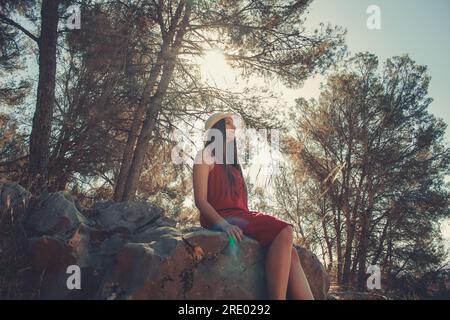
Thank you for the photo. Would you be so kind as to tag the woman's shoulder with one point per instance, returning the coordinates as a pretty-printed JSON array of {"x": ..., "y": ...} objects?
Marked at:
[{"x": 204, "y": 158}]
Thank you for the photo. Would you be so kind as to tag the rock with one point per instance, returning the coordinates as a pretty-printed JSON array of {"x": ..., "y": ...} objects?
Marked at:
[
  {"x": 129, "y": 250},
  {"x": 155, "y": 233},
  {"x": 131, "y": 215},
  {"x": 353, "y": 295},
  {"x": 50, "y": 259},
  {"x": 56, "y": 215},
  {"x": 200, "y": 265},
  {"x": 14, "y": 198},
  {"x": 318, "y": 278}
]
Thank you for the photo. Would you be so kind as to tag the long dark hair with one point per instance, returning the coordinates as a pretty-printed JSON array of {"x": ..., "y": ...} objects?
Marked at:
[{"x": 220, "y": 125}]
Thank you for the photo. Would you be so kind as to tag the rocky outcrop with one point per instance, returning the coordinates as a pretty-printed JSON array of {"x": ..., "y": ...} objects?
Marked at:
[
  {"x": 318, "y": 278},
  {"x": 129, "y": 250},
  {"x": 352, "y": 295}
]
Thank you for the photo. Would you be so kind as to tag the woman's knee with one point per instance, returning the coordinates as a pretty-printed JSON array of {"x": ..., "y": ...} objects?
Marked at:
[{"x": 287, "y": 233}]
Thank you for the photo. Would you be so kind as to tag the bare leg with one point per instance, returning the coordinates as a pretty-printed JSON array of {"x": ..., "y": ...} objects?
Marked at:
[
  {"x": 278, "y": 264},
  {"x": 298, "y": 287}
]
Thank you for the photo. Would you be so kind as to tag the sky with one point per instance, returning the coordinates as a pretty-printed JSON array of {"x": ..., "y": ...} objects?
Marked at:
[{"x": 418, "y": 28}]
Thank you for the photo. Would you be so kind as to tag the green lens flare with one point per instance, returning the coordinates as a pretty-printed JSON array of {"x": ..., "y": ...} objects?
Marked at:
[{"x": 233, "y": 248}]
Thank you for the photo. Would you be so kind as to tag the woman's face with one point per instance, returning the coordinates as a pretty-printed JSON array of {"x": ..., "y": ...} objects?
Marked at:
[{"x": 230, "y": 128}]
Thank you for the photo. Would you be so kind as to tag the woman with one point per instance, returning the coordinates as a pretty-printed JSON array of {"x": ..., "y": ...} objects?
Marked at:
[{"x": 220, "y": 195}]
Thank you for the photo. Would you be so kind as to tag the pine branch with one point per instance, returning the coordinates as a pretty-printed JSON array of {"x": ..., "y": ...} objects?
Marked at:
[{"x": 11, "y": 22}]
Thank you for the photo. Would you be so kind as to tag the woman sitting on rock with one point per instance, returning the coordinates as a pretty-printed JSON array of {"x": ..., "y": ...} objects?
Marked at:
[{"x": 221, "y": 196}]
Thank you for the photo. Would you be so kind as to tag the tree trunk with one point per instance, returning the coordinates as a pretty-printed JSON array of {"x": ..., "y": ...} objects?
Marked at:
[
  {"x": 328, "y": 243},
  {"x": 42, "y": 120},
  {"x": 127, "y": 156},
  {"x": 362, "y": 254},
  {"x": 348, "y": 254},
  {"x": 348, "y": 276},
  {"x": 144, "y": 138},
  {"x": 380, "y": 248},
  {"x": 337, "y": 228},
  {"x": 365, "y": 235},
  {"x": 153, "y": 111},
  {"x": 345, "y": 206}
]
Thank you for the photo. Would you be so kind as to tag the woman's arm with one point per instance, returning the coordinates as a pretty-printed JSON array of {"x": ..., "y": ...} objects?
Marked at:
[{"x": 200, "y": 183}]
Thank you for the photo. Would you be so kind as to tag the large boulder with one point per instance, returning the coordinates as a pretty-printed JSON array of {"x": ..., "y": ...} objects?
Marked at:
[
  {"x": 130, "y": 215},
  {"x": 57, "y": 214},
  {"x": 129, "y": 250},
  {"x": 198, "y": 265},
  {"x": 318, "y": 279}
]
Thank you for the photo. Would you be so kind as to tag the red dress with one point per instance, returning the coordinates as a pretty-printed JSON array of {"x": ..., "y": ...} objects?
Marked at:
[{"x": 234, "y": 208}]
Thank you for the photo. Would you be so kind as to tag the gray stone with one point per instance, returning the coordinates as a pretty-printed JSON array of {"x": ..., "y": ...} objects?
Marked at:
[
  {"x": 14, "y": 199},
  {"x": 130, "y": 215},
  {"x": 57, "y": 215},
  {"x": 129, "y": 250}
]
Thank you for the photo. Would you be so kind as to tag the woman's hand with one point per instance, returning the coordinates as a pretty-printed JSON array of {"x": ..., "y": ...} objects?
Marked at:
[{"x": 233, "y": 231}]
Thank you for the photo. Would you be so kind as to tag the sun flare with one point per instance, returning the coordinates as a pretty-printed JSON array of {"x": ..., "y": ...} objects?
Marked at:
[{"x": 215, "y": 69}]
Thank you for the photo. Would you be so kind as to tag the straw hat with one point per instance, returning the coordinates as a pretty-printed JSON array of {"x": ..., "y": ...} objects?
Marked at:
[{"x": 216, "y": 117}]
